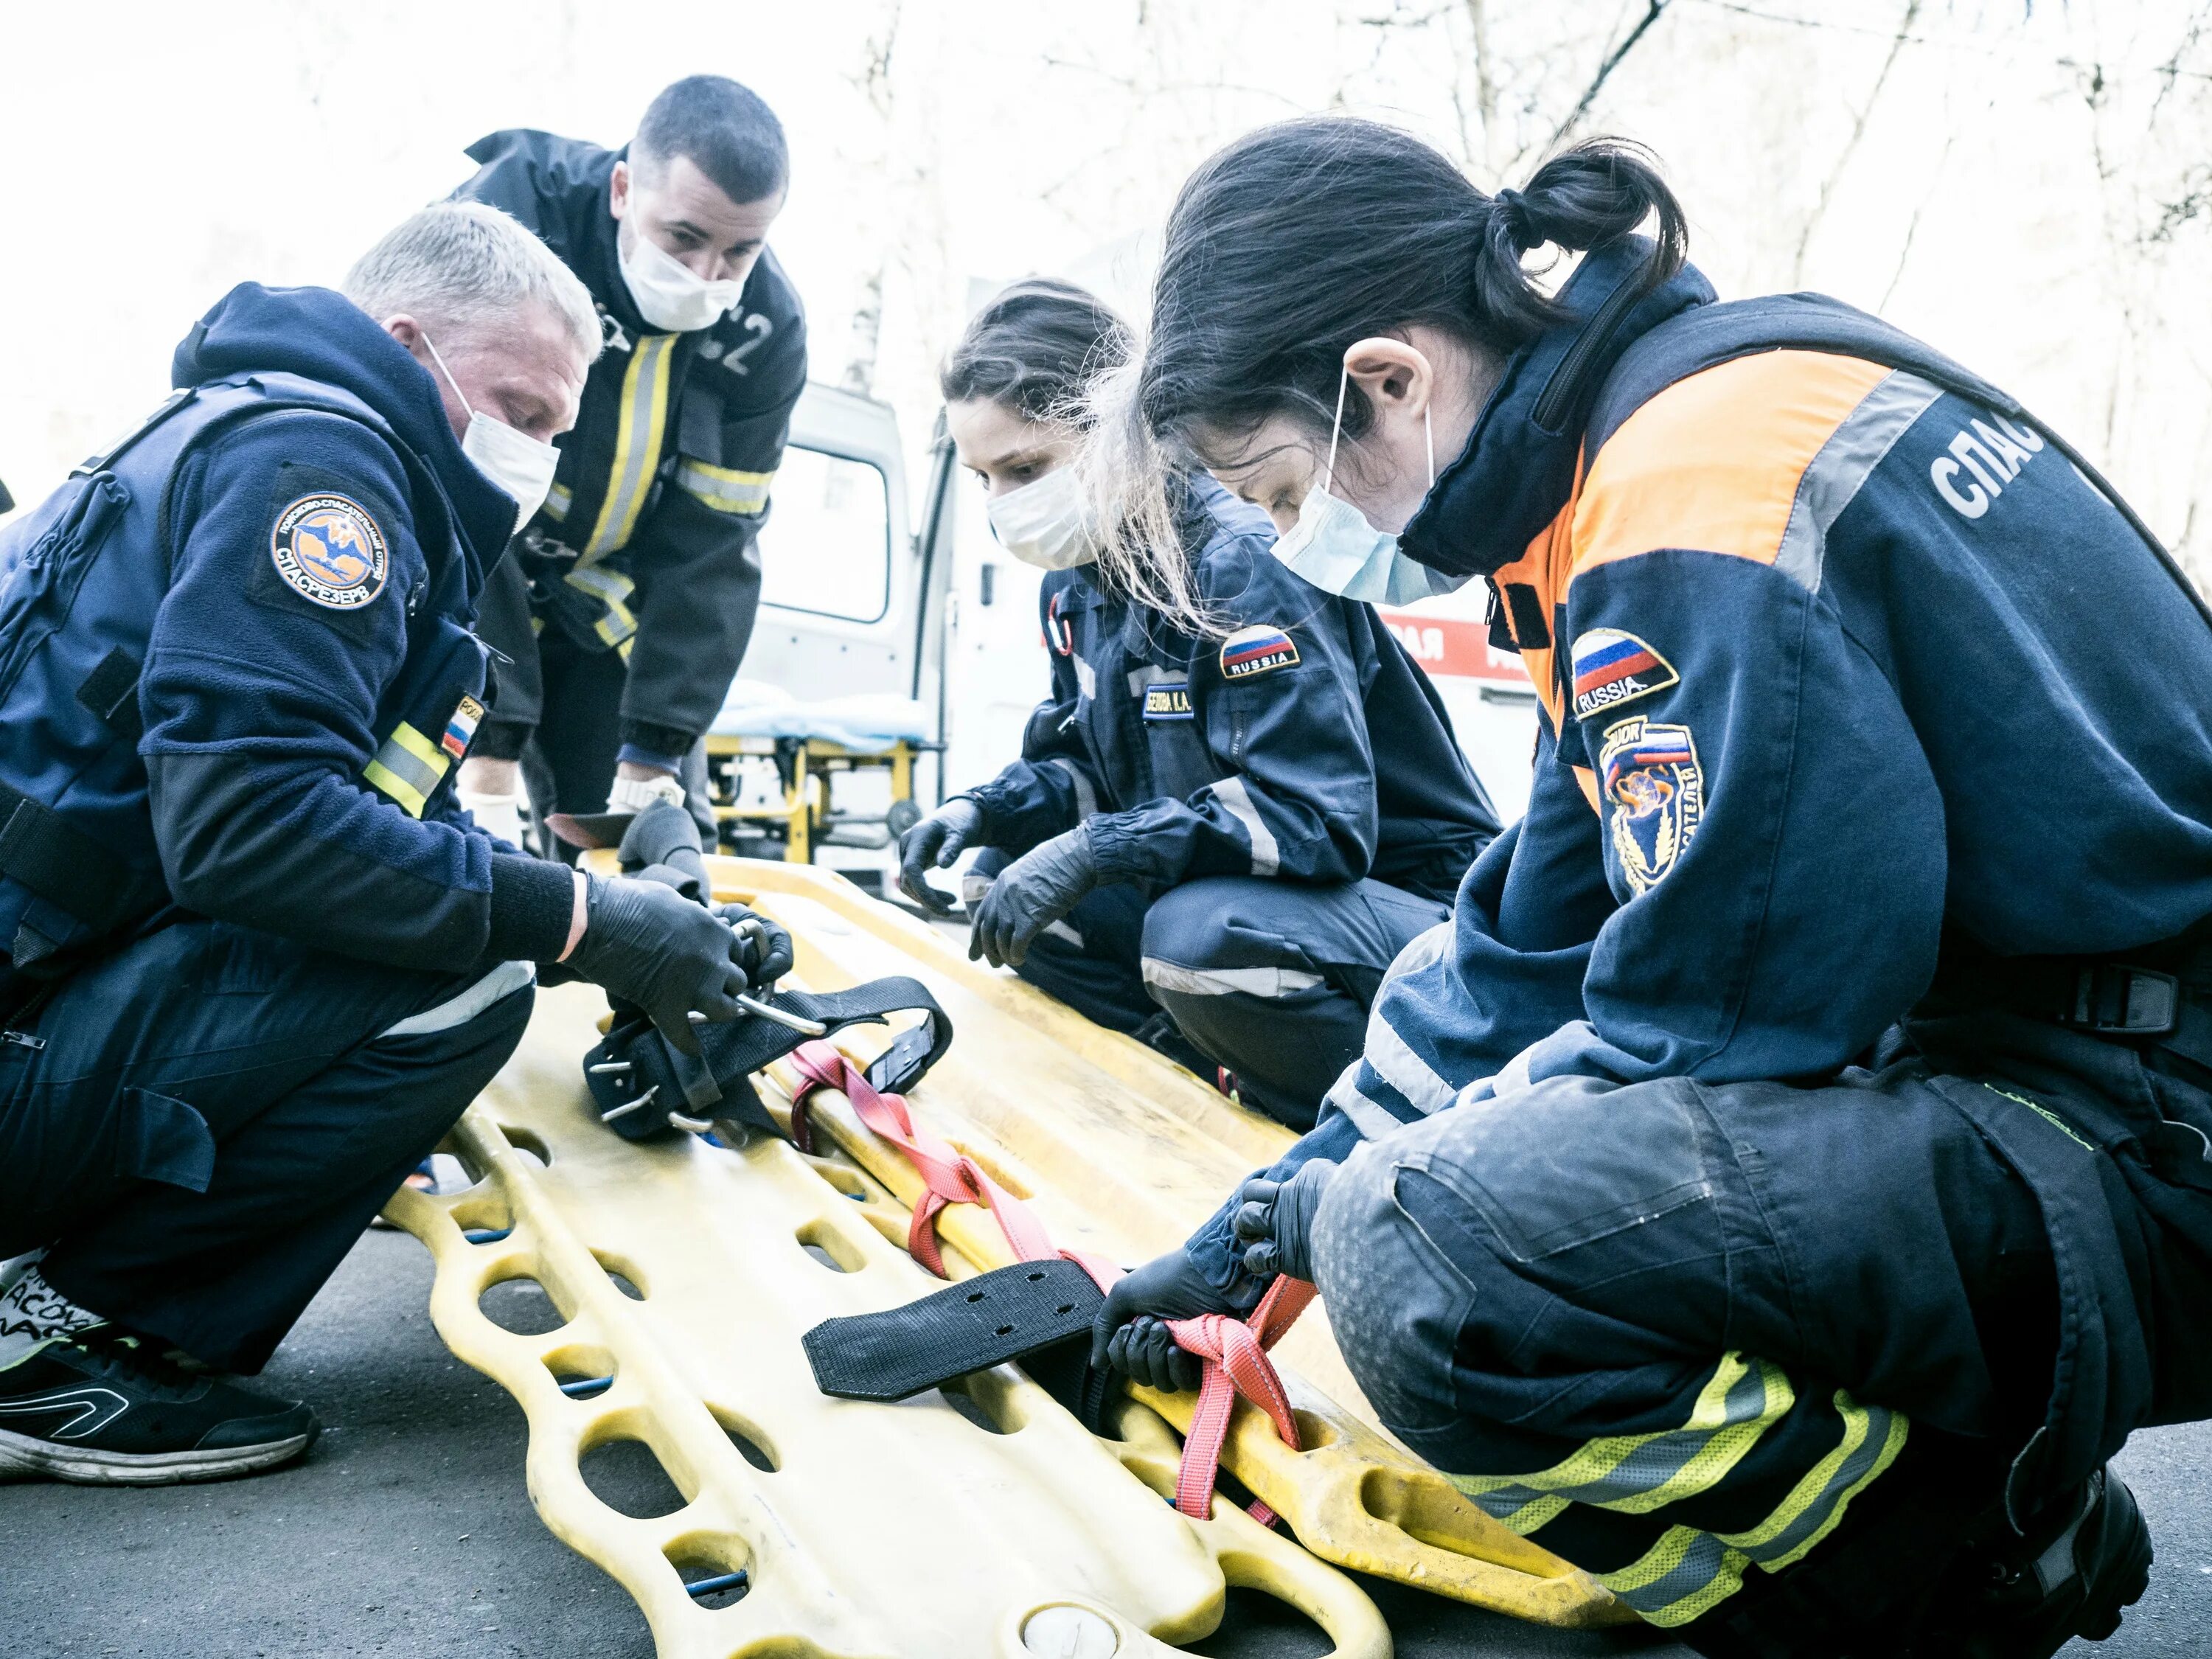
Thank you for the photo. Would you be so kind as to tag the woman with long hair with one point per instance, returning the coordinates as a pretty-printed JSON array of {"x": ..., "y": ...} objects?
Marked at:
[
  {"x": 1240, "y": 799},
  {"x": 1783, "y": 1187}
]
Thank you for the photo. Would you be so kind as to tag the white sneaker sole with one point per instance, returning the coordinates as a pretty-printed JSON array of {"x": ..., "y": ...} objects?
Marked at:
[{"x": 22, "y": 1458}]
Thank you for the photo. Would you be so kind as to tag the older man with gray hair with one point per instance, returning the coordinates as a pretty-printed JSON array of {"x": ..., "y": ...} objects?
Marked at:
[{"x": 256, "y": 960}]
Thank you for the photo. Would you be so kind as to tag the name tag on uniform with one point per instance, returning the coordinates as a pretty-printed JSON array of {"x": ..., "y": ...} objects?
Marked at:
[{"x": 1167, "y": 699}]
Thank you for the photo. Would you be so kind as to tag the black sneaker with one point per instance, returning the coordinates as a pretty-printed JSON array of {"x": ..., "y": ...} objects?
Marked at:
[{"x": 100, "y": 1408}]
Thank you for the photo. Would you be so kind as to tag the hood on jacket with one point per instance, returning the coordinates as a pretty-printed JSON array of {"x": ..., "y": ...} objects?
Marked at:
[
  {"x": 320, "y": 335},
  {"x": 1514, "y": 475}
]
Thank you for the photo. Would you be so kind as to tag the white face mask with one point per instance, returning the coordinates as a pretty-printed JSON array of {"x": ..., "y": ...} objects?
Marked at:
[
  {"x": 669, "y": 295},
  {"x": 1333, "y": 547},
  {"x": 519, "y": 464},
  {"x": 1043, "y": 523}
]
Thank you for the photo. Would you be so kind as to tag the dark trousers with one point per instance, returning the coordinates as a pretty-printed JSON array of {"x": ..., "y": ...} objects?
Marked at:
[
  {"x": 1674, "y": 1330},
  {"x": 215, "y": 1114},
  {"x": 1271, "y": 980}
]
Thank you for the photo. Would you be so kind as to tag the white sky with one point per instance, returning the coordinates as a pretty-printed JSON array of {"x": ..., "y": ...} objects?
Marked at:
[{"x": 1995, "y": 202}]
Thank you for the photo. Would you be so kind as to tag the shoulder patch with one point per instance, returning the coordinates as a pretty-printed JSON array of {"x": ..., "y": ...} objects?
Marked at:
[
  {"x": 1251, "y": 651},
  {"x": 1654, "y": 793},
  {"x": 1167, "y": 699},
  {"x": 329, "y": 549},
  {"x": 1612, "y": 668}
]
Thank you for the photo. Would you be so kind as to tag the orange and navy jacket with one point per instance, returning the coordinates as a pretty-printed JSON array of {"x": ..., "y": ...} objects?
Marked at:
[{"x": 1841, "y": 669}]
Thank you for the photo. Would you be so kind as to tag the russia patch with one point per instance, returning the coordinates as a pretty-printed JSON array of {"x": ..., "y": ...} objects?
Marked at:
[
  {"x": 461, "y": 730},
  {"x": 1167, "y": 699},
  {"x": 329, "y": 549},
  {"x": 1252, "y": 650},
  {"x": 1612, "y": 668},
  {"x": 1649, "y": 778}
]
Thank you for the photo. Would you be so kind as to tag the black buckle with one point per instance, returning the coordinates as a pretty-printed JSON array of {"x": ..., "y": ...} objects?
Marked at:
[{"x": 2121, "y": 1001}]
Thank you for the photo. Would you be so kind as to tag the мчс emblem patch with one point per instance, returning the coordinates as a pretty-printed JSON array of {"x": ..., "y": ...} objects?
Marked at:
[
  {"x": 1654, "y": 795},
  {"x": 1612, "y": 668},
  {"x": 1252, "y": 650},
  {"x": 1167, "y": 699},
  {"x": 329, "y": 549}
]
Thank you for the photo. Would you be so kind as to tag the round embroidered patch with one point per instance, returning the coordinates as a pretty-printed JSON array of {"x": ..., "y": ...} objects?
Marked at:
[{"x": 330, "y": 550}]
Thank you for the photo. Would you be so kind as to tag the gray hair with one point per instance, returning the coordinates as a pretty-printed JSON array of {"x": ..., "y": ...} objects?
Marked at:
[{"x": 466, "y": 266}]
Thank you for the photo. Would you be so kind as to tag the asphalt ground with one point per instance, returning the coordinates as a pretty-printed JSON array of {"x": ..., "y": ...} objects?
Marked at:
[{"x": 407, "y": 1532}]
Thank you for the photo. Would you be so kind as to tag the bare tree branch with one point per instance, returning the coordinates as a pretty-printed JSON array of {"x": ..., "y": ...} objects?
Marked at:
[
  {"x": 1850, "y": 145},
  {"x": 1653, "y": 10}
]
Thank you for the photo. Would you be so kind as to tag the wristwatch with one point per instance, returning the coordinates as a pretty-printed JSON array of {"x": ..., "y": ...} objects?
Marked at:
[{"x": 635, "y": 794}]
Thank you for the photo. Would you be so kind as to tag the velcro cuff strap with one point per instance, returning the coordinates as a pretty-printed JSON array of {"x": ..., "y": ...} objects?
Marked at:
[{"x": 972, "y": 1326}]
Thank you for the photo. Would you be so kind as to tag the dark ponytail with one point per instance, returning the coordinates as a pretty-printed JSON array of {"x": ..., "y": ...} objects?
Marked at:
[
  {"x": 1301, "y": 238},
  {"x": 1036, "y": 348}
]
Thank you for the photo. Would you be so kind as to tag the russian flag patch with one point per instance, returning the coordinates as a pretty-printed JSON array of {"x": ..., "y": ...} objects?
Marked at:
[
  {"x": 1612, "y": 668},
  {"x": 461, "y": 730},
  {"x": 1252, "y": 650}
]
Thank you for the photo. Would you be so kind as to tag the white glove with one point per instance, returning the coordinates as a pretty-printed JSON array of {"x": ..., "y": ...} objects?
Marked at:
[
  {"x": 496, "y": 815},
  {"x": 635, "y": 794}
]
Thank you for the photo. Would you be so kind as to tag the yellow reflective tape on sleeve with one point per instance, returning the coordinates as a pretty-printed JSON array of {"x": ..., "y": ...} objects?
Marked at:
[
  {"x": 611, "y": 589},
  {"x": 408, "y": 767},
  {"x": 557, "y": 501},
  {"x": 723, "y": 489},
  {"x": 638, "y": 437}
]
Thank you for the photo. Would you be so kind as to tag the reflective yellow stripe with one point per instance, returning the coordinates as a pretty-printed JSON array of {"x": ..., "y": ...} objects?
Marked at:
[
  {"x": 723, "y": 489},
  {"x": 637, "y": 445},
  {"x": 611, "y": 588},
  {"x": 1686, "y": 1573},
  {"x": 408, "y": 767},
  {"x": 1636, "y": 1473},
  {"x": 1872, "y": 1439},
  {"x": 557, "y": 500}
]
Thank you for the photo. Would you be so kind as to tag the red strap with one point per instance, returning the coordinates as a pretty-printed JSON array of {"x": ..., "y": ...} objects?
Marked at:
[
  {"x": 1234, "y": 1350},
  {"x": 1235, "y": 1355},
  {"x": 949, "y": 1174}
]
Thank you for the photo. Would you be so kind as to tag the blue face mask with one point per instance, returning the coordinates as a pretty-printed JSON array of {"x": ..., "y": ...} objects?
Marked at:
[{"x": 1333, "y": 547}]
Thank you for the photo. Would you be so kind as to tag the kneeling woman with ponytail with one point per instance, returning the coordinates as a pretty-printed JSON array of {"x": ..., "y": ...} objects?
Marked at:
[
  {"x": 1831, "y": 1034},
  {"x": 1242, "y": 797}
]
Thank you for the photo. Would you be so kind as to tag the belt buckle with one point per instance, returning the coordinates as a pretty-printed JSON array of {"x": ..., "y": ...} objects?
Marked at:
[{"x": 2113, "y": 1000}]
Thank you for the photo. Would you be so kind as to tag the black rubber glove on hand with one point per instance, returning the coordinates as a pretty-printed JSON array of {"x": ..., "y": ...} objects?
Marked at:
[
  {"x": 648, "y": 945},
  {"x": 1130, "y": 1333},
  {"x": 932, "y": 844},
  {"x": 1273, "y": 1218},
  {"x": 764, "y": 950},
  {"x": 1030, "y": 894}
]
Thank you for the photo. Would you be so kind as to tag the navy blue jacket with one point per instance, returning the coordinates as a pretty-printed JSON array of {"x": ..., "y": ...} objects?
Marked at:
[
  {"x": 646, "y": 544},
  {"x": 1845, "y": 673},
  {"x": 1298, "y": 740},
  {"x": 308, "y": 679}
]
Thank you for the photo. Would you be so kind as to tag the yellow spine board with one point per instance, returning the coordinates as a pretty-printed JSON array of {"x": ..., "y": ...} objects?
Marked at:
[
  {"x": 904, "y": 1530},
  {"x": 1123, "y": 1152}
]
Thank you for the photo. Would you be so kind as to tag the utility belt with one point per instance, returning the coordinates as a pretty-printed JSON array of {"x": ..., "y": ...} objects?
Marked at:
[{"x": 2159, "y": 996}]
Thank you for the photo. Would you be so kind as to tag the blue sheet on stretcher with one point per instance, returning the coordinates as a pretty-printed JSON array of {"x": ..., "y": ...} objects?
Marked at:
[{"x": 868, "y": 724}]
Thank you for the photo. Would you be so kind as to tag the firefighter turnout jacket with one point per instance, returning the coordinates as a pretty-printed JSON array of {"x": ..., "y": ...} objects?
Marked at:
[{"x": 646, "y": 545}]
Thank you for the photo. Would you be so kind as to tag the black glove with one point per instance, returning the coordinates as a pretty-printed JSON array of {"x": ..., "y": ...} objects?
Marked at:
[
  {"x": 662, "y": 845},
  {"x": 764, "y": 947},
  {"x": 648, "y": 945},
  {"x": 1030, "y": 894},
  {"x": 1130, "y": 1333},
  {"x": 932, "y": 844},
  {"x": 1273, "y": 1218}
]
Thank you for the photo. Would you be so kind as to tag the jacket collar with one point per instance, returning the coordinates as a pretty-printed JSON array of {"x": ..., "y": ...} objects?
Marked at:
[{"x": 1514, "y": 477}]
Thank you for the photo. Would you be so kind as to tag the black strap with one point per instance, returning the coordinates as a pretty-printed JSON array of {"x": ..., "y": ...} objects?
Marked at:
[
  {"x": 1037, "y": 1312},
  {"x": 68, "y": 868},
  {"x": 633, "y": 1060},
  {"x": 111, "y": 691}
]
